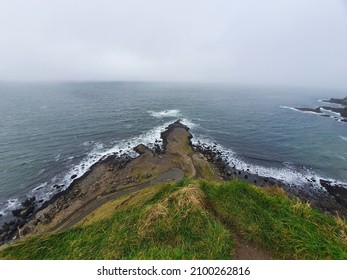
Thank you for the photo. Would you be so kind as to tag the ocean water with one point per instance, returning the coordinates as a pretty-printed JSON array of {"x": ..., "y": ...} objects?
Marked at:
[{"x": 51, "y": 131}]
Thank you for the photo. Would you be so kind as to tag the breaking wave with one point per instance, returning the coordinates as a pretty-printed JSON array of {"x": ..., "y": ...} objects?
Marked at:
[
  {"x": 165, "y": 114},
  {"x": 285, "y": 172},
  {"x": 46, "y": 190}
]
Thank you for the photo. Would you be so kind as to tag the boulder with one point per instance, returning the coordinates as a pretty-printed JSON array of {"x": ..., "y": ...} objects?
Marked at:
[
  {"x": 28, "y": 202},
  {"x": 337, "y": 191},
  {"x": 16, "y": 212},
  {"x": 141, "y": 149},
  {"x": 27, "y": 212}
]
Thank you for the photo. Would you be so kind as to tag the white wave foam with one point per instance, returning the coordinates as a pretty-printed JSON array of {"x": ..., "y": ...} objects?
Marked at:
[
  {"x": 330, "y": 111},
  {"x": 343, "y": 138},
  {"x": 290, "y": 108},
  {"x": 326, "y": 102},
  {"x": 40, "y": 186},
  {"x": 10, "y": 205},
  {"x": 88, "y": 143},
  {"x": 165, "y": 114},
  {"x": 297, "y": 110},
  {"x": 41, "y": 171},
  {"x": 287, "y": 174},
  {"x": 125, "y": 146},
  {"x": 45, "y": 190},
  {"x": 188, "y": 123},
  {"x": 341, "y": 157}
]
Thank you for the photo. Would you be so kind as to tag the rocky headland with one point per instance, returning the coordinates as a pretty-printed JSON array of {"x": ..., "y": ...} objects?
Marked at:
[
  {"x": 342, "y": 110},
  {"x": 118, "y": 175}
]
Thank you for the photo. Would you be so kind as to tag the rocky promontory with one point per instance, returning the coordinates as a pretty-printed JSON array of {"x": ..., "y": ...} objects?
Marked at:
[
  {"x": 342, "y": 101},
  {"x": 342, "y": 111},
  {"x": 111, "y": 176},
  {"x": 177, "y": 158}
]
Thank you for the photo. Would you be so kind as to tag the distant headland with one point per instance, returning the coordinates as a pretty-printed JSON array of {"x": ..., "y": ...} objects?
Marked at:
[
  {"x": 342, "y": 111},
  {"x": 117, "y": 176}
]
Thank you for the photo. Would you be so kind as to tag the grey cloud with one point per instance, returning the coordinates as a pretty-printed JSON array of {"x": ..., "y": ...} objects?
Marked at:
[{"x": 287, "y": 42}]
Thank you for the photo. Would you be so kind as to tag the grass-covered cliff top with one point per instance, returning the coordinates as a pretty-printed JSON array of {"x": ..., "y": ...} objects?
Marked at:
[{"x": 195, "y": 220}]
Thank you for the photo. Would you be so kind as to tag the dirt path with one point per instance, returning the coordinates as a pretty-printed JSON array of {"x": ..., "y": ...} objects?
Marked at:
[
  {"x": 173, "y": 175},
  {"x": 244, "y": 251}
]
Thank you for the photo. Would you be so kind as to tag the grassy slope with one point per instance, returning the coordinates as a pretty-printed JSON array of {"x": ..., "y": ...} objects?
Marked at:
[
  {"x": 194, "y": 220},
  {"x": 285, "y": 227}
]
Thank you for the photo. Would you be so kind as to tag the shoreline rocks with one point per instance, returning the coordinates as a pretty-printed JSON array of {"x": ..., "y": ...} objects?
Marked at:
[
  {"x": 325, "y": 195},
  {"x": 29, "y": 207},
  {"x": 337, "y": 191},
  {"x": 342, "y": 111},
  {"x": 150, "y": 162},
  {"x": 316, "y": 110},
  {"x": 342, "y": 101},
  {"x": 31, "y": 212}
]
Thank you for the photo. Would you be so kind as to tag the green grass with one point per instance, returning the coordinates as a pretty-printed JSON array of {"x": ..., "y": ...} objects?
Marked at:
[
  {"x": 194, "y": 220},
  {"x": 286, "y": 228},
  {"x": 171, "y": 224}
]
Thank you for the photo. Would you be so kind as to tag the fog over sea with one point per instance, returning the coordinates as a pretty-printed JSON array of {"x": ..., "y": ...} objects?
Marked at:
[{"x": 52, "y": 131}]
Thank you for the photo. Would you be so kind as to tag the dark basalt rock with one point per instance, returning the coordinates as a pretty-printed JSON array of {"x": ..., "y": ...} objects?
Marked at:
[
  {"x": 316, "y": 110},
  {"x": 157, "y": 149},
  {"x": 341, "y": 111},
  {"x": 10, "y": 229},
  {"x": 342, "y": 101},
  {"x": 337, "y": 191},
  {"x": 16, "y": 212},
  {"x": 141, "y": 149},
  {"x": 27, "y": 212},
  {"x": 74, "y": 176},
  {"x": 329, "y": 202},
  {"x": 28, "y": 202}
]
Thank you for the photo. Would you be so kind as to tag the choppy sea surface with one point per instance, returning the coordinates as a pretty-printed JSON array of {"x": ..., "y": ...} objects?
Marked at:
[{"x": 51, "y": 131}]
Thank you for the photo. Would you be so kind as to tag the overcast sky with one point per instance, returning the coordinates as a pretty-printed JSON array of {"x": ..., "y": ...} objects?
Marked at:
[{"x": 266, "y": 42}]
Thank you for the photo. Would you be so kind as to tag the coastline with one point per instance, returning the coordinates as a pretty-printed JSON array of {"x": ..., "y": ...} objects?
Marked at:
[{"x": 118, "y": 173}]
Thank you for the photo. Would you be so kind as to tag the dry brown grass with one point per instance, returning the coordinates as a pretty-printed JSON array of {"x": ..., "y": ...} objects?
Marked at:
[
  {"x": 303, "y": 208},
  {"x": 106, "y": 211},
  {"x": 276, "y": 190},
  {"x": 341, "y": 222},
  {"x": 181, "y": 202}
]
